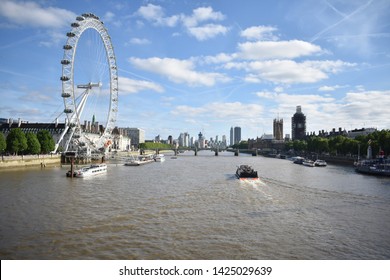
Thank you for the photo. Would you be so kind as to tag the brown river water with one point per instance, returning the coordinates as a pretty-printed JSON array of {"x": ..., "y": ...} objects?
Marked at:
[{"x": 193, "y": 207}]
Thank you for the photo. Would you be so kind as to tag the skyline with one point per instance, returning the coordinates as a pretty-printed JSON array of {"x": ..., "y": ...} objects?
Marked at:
[{"x": 187, "y": 66}]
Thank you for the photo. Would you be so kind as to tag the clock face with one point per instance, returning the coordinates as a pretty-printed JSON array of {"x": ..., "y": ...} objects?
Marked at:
[{"x": 300, "y": 125}]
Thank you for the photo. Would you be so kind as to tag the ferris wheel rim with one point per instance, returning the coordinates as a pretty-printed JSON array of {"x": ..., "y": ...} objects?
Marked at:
[{"x": 83, "y": 23}]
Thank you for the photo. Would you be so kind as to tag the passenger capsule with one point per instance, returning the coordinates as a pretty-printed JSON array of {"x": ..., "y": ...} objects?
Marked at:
[
  {"x": 65, "y": 62},
  {"x": 66, "y": 95},
  {"x": 68, "y": 111},
  {"x": 75, "y": 24},
  {"x": 64, "y": 78},
  {"x": 70, "y": 34},
  {"x": 80, "y": 18},
  {"x": 67, "y": 47}
]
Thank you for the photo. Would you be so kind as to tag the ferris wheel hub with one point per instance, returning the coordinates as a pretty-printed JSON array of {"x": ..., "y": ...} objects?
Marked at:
[{"x": 90, "y": 85}]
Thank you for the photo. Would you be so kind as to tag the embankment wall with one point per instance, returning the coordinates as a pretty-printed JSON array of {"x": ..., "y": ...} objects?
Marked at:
[{"x": 29, "y": 160}]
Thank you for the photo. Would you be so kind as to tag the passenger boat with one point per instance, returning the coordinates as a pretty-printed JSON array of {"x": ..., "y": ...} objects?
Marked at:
[
  {"x": 379, "y": 166},
  {"x": 141, "y": 160},
  {"x": 298, "y": 160},
  {"x": 246, "y": 172},
  {"x": 308, "y": 162},
  {"x": 87, "y": 171},
  {"x": 159, "y": 158},
  {"x": 320, "y": 162}
]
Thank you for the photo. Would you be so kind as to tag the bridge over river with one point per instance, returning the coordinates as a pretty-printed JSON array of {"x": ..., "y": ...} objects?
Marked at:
[{"x": 236, "y": 152}]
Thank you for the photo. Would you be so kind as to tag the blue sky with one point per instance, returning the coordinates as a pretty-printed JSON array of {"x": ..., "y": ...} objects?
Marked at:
[{"x": 190, "y": 66}]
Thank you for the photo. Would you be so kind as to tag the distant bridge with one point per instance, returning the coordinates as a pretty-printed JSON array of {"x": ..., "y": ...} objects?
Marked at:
[{"x": 216, "y": 151}]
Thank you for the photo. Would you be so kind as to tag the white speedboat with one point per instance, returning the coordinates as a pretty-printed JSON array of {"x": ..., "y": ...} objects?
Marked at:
[
  {"x": 159, "y": 158},
  {"x": 320, "y": 162},
  {"x": 308, "y": 162},
  {"x": 87, "y": 171}
]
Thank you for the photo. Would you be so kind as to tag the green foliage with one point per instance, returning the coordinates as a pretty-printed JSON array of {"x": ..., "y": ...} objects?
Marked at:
[
  {"x": 242, "y": 145},
  {"x": 33, "y": 145},
  {"x": 300, "y": 145},
  {"x": 342, "y": 145},
  {"x": 318, "y": 144},
  {"x": 3, "y": 143},
  {"x": 154, "y": 146},
  {"x": 16, "y": 141},
  {"x": 379, "y": 140},
  {"x": 46, "y": 141}
]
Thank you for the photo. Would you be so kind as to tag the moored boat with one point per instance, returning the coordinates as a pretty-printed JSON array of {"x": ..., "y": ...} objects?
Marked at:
[
  {"x": 246, "y": 172},
  {"x": 308, "y": 162},
  {"x": 320, "y": 162},
  {"x": 140, "y": 160},
  {"x": 298, "y": 160},
  {"x": 87, "y": 171},
  {"x": 380, "y": 166},
  {"x": 159, "y": 158}
]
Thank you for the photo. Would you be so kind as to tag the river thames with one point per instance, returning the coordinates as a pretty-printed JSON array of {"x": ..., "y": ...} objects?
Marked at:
[{"x": 193, "y": 208}]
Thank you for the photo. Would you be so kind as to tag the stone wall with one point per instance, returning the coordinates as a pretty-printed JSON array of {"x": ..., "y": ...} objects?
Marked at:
[{"x": 29, "y": 160}]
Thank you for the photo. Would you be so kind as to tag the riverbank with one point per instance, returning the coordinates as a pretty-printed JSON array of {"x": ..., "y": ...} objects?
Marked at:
[{"x": 29, "y": 160}]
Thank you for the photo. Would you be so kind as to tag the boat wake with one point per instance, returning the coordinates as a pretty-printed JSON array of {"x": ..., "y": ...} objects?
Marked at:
[
  {"x": 253, "y": 183},
  {"x": 257, "y": 185}
]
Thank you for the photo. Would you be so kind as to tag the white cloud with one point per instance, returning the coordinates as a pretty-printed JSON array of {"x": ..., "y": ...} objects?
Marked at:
[
  {"x": 130, "y": 86},
  {"x": 266, "y": 94},
  {"x": 289, "y": 71},
  {"x": 156, "y": 14},
  {"x": 330, "y": 88},
  {"x": 219, "y": 58},
  {"x": 108, "y": 16},
  {"x": 197, "y": 24},
  {"x": 178, "y": 71},
  {"x": 354, "y": 110},
  {"x": 260, "y": 32},
  {"x": 369, "y": 106},
  {"x": 207, "y": 31},
  {"x": 150, "y": 12},
  {"x": 280, "y": 49},
  {"x": 54, "y": 38},
  {"x": 200, "y": 15},
  {"x": 31, "y": 14},
  {"x": 139, "y": 41},
  {"x": 219, "y": 110}
]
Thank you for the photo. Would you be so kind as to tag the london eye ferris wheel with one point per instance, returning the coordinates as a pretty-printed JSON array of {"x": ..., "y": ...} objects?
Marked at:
[{"x": 89, "y": 86}]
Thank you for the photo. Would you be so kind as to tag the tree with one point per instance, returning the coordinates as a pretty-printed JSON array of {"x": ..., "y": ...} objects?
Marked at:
[
  {"x": 299, "y": 145},
  {"x": 153, "y": 146},
  {"x": 46, "y": 141},
  {"x": 16, "y": 141},
  {"x": 33, "y": 145},
  {"x": 317, "y": 144},
  {"x": 3, "y": 143}
]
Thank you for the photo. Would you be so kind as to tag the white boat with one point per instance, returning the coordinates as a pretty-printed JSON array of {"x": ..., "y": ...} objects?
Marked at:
[
  {"x": 320, "y": 162},
  {"x": 159, "y": 158},
  {"x": 308, "y": 162},
  {"x": 140, "y": 160},
  {"x": 297, "y": 160},
  {"x": 87, "y": 171}
]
